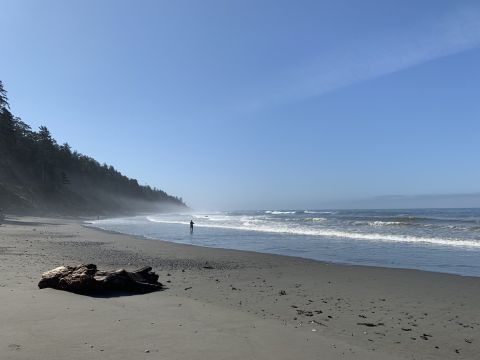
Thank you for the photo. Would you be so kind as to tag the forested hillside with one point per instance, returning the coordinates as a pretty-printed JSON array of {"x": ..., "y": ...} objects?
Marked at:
[{"x": 37, "y": 175}]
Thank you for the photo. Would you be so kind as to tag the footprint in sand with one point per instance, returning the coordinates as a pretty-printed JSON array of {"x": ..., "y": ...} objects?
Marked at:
[{"x": 14, "y": 347}]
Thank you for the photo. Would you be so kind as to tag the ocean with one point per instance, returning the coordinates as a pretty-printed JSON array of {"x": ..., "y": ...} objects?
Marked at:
[{"x": 439, "y": 240}]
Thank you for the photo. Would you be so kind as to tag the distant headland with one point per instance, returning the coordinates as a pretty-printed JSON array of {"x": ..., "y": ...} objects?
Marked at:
[{"x": 38, "y": 175}]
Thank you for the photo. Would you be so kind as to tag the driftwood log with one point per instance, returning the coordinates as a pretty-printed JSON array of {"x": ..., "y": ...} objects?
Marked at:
[{"x": 86, "y": 279}]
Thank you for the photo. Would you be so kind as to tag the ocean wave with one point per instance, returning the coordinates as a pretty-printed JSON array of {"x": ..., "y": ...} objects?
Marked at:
[
  {"x": 385, "y": 223},
  {"x": 216, "y": 218},
  {"x": 315, "y": 219},
  {"x": 317, "y": 212},
  {"x": 378, "y": 223},
  {"x": 324, "y": 232},
  {"x": 166, "y": 221},
  {"x": 277, "y": 212},
  {"x": 433, "y": 219}
]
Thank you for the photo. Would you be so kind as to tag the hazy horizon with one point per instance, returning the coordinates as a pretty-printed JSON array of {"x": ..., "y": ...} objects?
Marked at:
[
  {"x": 393, "y": 202},
  {"x": 248, "y": 105}
]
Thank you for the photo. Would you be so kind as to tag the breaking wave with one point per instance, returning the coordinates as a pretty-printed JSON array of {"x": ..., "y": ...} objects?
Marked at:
[
  {"x": 331, "y": 233},
  {"x": 277, "y": 212}
]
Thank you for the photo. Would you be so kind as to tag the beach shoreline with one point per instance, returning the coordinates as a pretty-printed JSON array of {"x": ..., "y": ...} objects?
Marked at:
[
  {"x": 262, "y": 306},
  {"x": 436, "y": 240},
  {"x": 324, "y": 262}
]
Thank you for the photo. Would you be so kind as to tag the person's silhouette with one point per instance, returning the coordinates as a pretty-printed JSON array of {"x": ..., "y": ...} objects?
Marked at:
[{"x": 191, "y": 226}]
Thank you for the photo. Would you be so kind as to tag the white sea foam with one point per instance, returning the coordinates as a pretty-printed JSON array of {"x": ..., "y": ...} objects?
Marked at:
[
  {"x": 277, "y": 212},
  {"x": 280, "y": 228},
  {"x": 315, "y": 219},
  {"x": 217, "y": 218},
  {"x": 385, "y": 223},
  {"x": 317, "y": 212}
]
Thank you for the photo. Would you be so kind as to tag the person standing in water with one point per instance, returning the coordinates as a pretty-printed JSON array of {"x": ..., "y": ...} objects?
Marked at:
[{"x": 191, "y": 226}]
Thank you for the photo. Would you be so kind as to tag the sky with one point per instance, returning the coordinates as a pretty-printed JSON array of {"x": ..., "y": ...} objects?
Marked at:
[{"x": 259, "y": 104}]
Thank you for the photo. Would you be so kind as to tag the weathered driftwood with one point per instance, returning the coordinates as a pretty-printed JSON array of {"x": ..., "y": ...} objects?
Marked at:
[{"x": 86, "y": 279}]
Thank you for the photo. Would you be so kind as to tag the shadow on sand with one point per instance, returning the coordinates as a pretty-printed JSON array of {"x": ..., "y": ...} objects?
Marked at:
[{"x": 111, "y": 294}]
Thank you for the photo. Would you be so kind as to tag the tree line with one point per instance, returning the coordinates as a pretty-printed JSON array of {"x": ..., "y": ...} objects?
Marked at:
[{"x": 51, "y": 167}]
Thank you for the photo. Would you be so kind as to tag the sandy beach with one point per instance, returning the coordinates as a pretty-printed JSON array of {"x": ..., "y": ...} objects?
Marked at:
[{"x": 224, "y": 304}]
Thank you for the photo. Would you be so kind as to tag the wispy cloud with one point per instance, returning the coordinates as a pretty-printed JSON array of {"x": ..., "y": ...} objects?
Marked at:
[{"x": 385, "y": 53}]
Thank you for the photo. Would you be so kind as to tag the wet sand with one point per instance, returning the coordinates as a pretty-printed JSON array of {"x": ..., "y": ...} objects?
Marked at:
[{"x": 224, "y": 304}]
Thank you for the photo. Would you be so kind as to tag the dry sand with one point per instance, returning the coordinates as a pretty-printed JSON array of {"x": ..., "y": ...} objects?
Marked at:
[{"x": 249, "y": 306}]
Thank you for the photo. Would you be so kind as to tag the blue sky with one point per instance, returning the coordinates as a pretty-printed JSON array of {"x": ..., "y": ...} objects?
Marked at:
[{"x": 258, "y": 104}]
